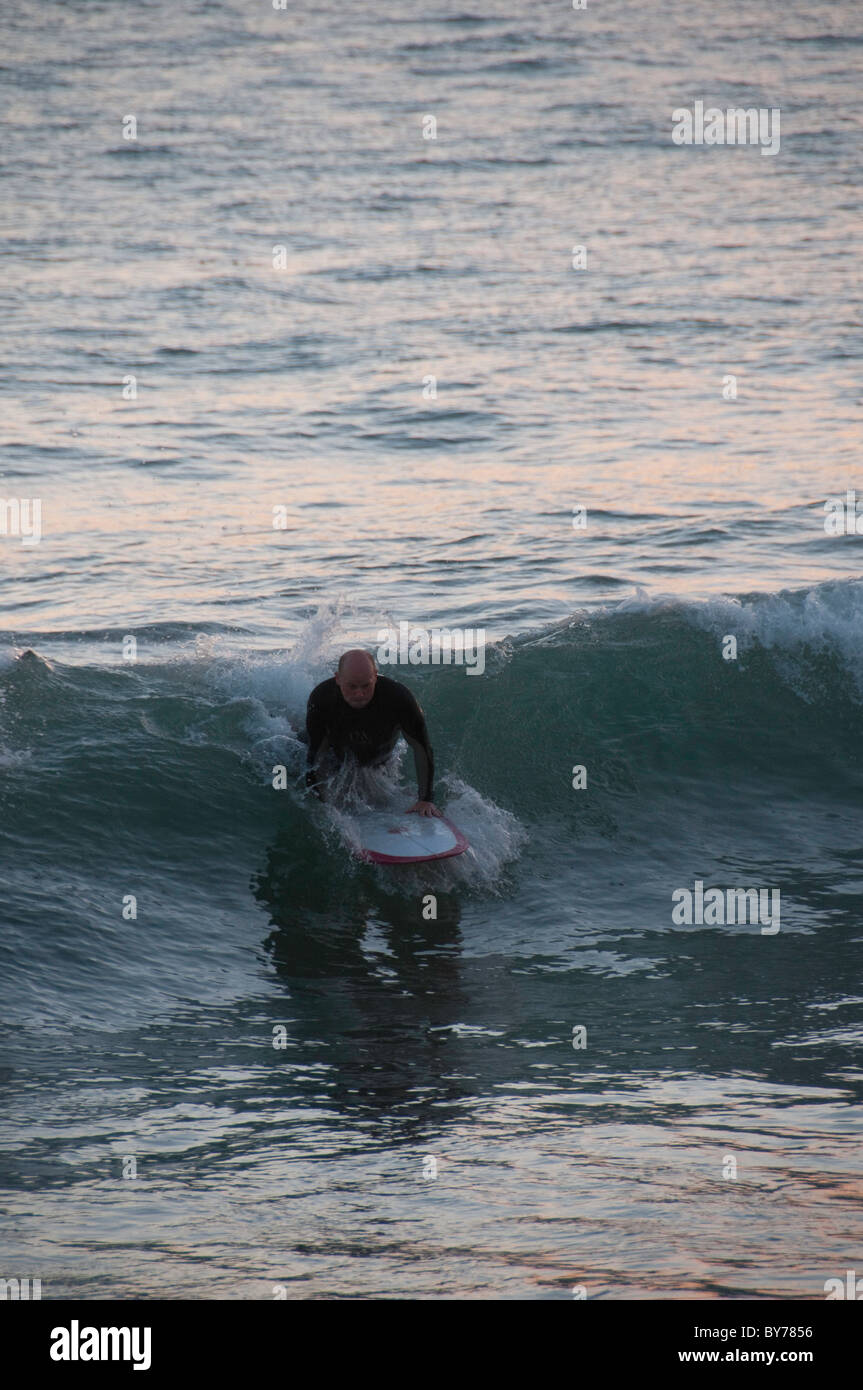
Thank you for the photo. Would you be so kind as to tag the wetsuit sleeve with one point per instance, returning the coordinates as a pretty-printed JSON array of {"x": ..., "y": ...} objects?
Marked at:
[
  {"x": 413, "y": 726},
  {"x": 316, "y": 728}
]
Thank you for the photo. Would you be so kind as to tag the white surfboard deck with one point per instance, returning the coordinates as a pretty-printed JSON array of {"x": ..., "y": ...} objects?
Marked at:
[{"x": 387, "y": 837}]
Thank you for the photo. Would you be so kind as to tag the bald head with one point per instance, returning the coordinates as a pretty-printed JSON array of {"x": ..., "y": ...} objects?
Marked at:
[{"x": 356, "y": 676}]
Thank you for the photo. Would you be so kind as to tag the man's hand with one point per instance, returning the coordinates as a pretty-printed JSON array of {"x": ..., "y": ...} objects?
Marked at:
[{"x": 424, "y": 808}]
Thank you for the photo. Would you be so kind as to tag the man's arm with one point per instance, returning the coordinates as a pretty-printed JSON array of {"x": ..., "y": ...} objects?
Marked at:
[
  {"x": 413, "y": 726},
  {"x": 316, "y": 728}
]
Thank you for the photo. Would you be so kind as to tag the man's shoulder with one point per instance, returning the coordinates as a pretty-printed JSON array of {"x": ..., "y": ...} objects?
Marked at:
[{"x": 396, "y": 693}]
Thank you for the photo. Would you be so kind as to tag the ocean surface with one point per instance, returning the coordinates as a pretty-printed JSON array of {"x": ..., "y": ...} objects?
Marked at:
[{"x": 283, "y": 371}]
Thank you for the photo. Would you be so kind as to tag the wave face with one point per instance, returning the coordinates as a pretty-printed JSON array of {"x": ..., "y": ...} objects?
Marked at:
[{"x": 154, "y": 781}]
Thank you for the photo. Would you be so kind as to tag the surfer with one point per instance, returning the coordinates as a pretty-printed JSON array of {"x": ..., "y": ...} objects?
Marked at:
[{"x": 361, "y": 714}]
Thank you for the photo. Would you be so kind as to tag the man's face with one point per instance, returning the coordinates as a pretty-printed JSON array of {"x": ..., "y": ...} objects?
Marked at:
[{"x": 357, "y": 683}]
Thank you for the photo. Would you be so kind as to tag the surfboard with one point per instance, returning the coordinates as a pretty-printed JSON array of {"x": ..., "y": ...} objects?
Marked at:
[{"x": 387, "y": 838}]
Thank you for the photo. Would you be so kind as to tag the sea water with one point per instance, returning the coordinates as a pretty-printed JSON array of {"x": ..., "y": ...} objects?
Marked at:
[{"x": 325, "y": 319}]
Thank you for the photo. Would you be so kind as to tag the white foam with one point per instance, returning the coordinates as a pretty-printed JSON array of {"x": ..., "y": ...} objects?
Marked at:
[
  {"x": 496, "y": 836},
  {"x": 14, "y": 757},
  {"x": 825, "y": 619}
]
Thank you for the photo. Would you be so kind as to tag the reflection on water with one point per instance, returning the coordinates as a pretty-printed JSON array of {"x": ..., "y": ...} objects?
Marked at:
[{"x": 367, "y": 974}]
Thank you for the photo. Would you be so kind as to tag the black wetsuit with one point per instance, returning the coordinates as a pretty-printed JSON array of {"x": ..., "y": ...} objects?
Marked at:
[{"x": 369, "y": 734}]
